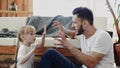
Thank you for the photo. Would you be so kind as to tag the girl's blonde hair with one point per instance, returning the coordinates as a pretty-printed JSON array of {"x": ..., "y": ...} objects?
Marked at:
[{"x": 25, "y": 30}]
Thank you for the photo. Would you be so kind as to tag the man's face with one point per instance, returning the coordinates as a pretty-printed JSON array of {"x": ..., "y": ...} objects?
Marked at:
[{"x": 77, "y": 25}]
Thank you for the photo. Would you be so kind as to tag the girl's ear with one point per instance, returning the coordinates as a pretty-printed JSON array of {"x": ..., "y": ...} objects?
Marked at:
[{"x": 21, "y": 37}]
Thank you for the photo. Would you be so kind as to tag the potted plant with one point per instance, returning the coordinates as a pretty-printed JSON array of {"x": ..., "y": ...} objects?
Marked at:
[{"x": 116, "y": 23}]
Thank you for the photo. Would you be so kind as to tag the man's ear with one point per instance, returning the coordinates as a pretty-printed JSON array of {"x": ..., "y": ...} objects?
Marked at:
[{"x": 85, "y": 23}]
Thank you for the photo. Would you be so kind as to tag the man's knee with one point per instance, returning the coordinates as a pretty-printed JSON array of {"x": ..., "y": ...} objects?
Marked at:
[{"x": 50, "y": 51}]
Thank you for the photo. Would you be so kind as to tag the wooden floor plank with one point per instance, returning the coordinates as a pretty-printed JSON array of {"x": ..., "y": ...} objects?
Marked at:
[{"x": 10, "y": 50}]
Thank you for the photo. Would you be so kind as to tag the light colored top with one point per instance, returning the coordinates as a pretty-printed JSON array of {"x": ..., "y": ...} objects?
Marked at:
[
  {"x": 23, "y": 50},
  {"x": 100, "y": 42}
]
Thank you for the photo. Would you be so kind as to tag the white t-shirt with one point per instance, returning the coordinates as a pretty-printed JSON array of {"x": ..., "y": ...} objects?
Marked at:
[
  {"x": 23, "y": 50},
  {"x": 100, "y": 42}
]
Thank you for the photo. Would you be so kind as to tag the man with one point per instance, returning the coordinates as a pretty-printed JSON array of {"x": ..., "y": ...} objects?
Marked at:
[{"x": 96, "y": 45}]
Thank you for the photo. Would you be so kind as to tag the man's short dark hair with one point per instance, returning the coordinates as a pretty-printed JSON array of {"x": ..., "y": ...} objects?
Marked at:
[{"x": 84, "y": 13}]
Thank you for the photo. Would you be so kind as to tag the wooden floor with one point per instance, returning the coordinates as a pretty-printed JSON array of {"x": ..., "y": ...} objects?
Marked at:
[{"x": 7, "y": 54}]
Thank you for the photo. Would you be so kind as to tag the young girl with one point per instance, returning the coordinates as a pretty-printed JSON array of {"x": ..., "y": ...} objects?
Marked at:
[{"x": 26, "y": 37}]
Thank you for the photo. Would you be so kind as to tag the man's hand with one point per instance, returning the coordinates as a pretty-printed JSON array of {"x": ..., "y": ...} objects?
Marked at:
[
  {"x": 63, "y": 41},
  {"x": 56, "y": 24},
  {"x": 69, "y": 33}
]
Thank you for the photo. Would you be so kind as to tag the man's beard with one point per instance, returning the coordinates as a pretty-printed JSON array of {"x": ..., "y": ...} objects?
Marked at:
[{"x": 80, "y": 31}]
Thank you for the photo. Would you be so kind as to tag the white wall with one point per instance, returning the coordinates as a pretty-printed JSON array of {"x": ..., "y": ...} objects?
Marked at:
[
  {"x": 12, "y": 23},
  {"x": 56, "y": 7},
  {"x": 65, "y": 7}
]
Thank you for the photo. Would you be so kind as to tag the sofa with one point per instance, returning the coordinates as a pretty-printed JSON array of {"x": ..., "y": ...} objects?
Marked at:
[{"x": 13, "y": 24}]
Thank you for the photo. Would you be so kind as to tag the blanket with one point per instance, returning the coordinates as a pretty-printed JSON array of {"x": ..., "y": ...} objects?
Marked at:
[{"x": 38, "y": 22}]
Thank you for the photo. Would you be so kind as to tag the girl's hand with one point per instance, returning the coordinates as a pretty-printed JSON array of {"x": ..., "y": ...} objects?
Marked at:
[
  {"x": 44, "y": 33},
  {"x": 43, "y": 36},
  {"x": 41, "y": 43},
  {"x": 35, "y": 47}
]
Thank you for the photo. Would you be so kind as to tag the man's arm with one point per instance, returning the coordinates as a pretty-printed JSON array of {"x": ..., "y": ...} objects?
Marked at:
[
  {"x": 67, "y": 32},
  {"x": 90, "y": 60},
  {"x": 70, "y": 34}
]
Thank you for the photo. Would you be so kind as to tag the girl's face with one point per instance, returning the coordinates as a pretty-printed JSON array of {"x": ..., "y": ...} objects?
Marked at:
[{"x": 30, "y": 37}]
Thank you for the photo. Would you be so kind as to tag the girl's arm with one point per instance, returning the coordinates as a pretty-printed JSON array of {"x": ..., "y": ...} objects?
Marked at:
[
  {"x": 41, "y": 44},
  {"x": 25, "y": 58}
]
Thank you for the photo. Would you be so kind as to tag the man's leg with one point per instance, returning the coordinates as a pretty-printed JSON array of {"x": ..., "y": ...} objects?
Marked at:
[{"x": 52, "y": 58}]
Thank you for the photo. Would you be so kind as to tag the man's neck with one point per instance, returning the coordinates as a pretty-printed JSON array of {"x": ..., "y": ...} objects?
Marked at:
[{"x": 90, "y": 32}]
